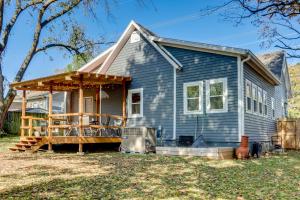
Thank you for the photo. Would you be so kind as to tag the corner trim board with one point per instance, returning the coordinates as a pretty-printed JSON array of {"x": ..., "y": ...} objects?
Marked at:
[{"x": 174, "y": 103}]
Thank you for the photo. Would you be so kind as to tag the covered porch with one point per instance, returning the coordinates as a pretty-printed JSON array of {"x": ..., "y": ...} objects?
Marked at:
[{"x": 83, "y": 126}]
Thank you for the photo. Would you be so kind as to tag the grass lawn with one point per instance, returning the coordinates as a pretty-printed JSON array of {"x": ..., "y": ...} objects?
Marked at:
[{"x": 122, "y": 176}]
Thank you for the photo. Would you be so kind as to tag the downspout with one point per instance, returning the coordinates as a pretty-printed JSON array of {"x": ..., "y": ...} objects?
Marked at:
[{"x": 242, "y": 97}]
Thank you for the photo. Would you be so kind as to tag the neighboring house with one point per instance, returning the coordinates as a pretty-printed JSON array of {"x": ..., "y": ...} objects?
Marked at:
[
  {"x": 187, "y": 88},
  {"x": 276, "y": 62},
  {"x": 38, "y": 101}
]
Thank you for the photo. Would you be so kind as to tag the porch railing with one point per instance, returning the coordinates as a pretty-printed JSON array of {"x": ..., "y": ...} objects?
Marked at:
[{"x": 66, "y": 125}]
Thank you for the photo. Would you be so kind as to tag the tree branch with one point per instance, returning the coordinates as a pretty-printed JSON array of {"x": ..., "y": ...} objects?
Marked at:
[
  {"x": 9, "y": 26},
  {"x": 62, "y": 12}
]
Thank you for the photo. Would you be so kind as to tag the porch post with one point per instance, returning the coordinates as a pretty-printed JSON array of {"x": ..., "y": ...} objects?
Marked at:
[
  {"x": 98, "y": 101},
  {"x": 50, "y": 100},
  {"x": 124, "y": 102},
  {"x": 80, "y": 114},
  {"x": 24, "y": 101}
]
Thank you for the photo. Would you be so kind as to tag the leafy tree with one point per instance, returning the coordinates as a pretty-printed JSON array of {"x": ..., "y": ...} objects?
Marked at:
[
  {"x": 77, "y": 62},
  {"x": 294, "y": 102},
  {"x": 278, "y": 20},
  {"x": 54, "y": 26}
]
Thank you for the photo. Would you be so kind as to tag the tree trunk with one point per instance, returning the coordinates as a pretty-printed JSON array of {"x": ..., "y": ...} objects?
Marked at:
[{"x": 5, "y": 106}]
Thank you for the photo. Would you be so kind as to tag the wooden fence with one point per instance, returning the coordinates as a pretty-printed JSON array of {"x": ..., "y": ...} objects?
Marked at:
[{"x": 288, "y": 133}]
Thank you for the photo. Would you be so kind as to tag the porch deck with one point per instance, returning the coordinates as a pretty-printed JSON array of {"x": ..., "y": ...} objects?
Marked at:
[
  {"x": 77, "y": 126},
  {"x": 33, "y": 144}
]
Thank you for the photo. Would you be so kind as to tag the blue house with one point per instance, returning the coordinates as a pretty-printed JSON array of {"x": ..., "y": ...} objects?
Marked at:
[{"x": 185, "y": 88}]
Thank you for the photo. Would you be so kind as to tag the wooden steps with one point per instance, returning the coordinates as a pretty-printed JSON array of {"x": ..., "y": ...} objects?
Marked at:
[{"x": 31, "y": 144}]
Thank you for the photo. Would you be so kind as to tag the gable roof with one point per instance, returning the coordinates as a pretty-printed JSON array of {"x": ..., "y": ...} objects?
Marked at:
[
  {"x": 104, "y": 60},
  {"x": 274, "y": 61},
  {"x": 231, "y": 51},
  {"x": 97, "y": 61},
  {"x": 124, "y": 38}
]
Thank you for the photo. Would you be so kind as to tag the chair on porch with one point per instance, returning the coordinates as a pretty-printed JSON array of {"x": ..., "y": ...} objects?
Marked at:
[{"x": 73, "y": 129}]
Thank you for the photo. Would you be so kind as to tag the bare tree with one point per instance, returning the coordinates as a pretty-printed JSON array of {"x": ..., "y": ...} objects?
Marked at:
[
  {"x": 54, "y": 27},
  {"x": 278, "y": 20}
]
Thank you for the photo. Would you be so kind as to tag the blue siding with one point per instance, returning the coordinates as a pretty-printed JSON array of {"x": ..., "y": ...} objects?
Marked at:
[
  {"x": 259, "y": 128},
  {"x": 201, "y": 66},
  {"x": 281, "y": 97},
  {"x": 150, "y": 71}
]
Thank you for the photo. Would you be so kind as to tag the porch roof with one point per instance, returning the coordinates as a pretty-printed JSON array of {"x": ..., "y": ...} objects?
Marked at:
[{"x": 69, "y": 81}]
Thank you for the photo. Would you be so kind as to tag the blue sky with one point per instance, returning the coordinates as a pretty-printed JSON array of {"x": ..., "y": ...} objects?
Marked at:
[{"x": 168, "y": 18}]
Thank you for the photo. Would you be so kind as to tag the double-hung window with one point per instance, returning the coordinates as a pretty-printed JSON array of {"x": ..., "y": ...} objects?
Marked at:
[
  {"x": 254, "y": 98},
  {"x": 135, "y": 103},
  {"x": 265, "y": 103},
  {"x": 260, "y": 101},
  {"x": 193, "y": 97},
  {"x": 273, "y": 107},
  {"x": 248, "y": 96},
  {"x": 216, "y": 95}
]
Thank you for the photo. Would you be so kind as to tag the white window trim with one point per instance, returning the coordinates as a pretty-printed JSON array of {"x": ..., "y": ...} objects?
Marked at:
[
  {"x": 89, "y": 97},
  {"x": 272, "y": 107},
  {"x": 251, "y": 110},
  {"x": 225, "y": 95},
  {"x": 200, "y": 85},
  {"x": 259, "y": 90},
  {"x": 130, "y": 92},
  {"x": 265, "y": 103},
  {"x": 257, "y": 109}
]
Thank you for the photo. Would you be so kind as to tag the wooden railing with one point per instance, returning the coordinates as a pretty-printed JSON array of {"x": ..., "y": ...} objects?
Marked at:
[
  {"x": 69, "y": 123},
  {"x": 30, "y": 127}
]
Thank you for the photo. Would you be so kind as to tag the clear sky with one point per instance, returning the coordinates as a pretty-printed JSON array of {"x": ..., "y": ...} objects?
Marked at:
[{"x": 178, "y": 19}]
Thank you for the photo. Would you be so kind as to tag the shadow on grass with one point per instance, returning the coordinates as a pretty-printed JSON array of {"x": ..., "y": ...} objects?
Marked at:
[{"x": 119, "y": 176}]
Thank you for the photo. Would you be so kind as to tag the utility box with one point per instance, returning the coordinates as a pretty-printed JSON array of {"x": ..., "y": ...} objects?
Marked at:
[{"x": 138, "y": 140}]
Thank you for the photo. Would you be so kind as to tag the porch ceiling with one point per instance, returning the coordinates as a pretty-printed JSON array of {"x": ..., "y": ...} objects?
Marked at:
[{"x": 69, "y": 81}]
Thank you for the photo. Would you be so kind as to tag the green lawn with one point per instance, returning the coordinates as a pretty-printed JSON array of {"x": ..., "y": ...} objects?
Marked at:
[
  {"x": 7, "y": 142},
  {"x": 122, "y": 176}
]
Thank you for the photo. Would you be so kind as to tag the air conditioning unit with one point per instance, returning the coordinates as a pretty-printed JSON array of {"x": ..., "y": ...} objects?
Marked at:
[{"x": 138, "y": 140}]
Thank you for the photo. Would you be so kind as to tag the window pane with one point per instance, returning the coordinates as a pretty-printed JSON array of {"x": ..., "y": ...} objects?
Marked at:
[
  {"x": 193, "y": 91},
  {"x": 254, "y": 92},
  {"x": 136, "y": 108},
  {"x": 260, "y": 108},
  {"x": 248, "y": 90},
  {"x": 216, "y": 103},
  {"x": 266, "y": 110},
  {"x": 255, "y": 106},
  {"x": 249, "y": 103},
  {"x": 136, "y": 98},
  {"x": 216, "y": 89},
  {"x": 193, "y": 104}
]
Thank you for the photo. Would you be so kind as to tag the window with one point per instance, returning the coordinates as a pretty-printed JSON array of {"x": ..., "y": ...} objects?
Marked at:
[
  {"x": 254, "y": 97},
  {"x": 265, "y": 103},
  {"x": 135, "y": 103},
  {"x": 135, "y": 37},
  {"x": 273, "y": 107},
  {"x": 248, "y": 96},
  {"x": 260, "y": 101},
  {"x": 193, "y": 95},
  {"x": 88, "y": 105},
  {"x": 216, "y": 95}
]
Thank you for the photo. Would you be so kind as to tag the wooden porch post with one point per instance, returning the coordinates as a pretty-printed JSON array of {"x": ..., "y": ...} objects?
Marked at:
[
  {"x": 50, "y": 102},
  {"x": 124, "y": 102},
  {"x": 24, "y": 101},
  {"x": 98, "y": 101},
  {"x": 80, "y": 150}
]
